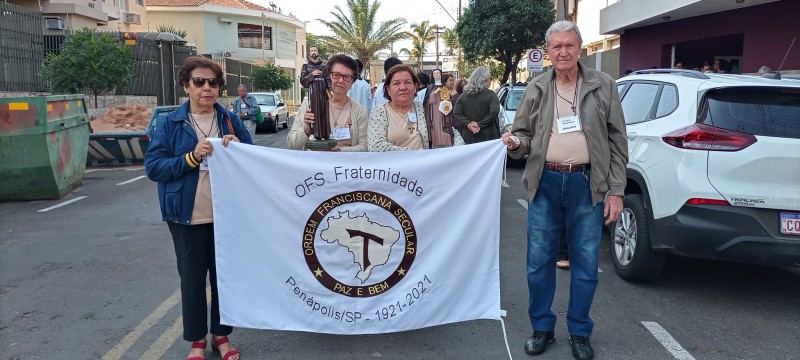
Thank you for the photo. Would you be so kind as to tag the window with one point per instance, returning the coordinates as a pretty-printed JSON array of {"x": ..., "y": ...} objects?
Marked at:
[
  {"x": 268, "y": 99},
  {"x": 755, "y": 110},
  {"x": 668, "y": 101},
  {"x": 514, "y": 97},
  {"x": 251, "y": 37},
  {"x": 140, "y": 2},
  {"x": 638, "y": 102}
]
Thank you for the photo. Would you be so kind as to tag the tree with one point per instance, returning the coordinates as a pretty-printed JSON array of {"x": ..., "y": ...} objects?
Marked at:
[
  {"x": 358, "y": 34},
  {"x": 90, "y": 61},
  {"x": 316, "y": 40},
  {"x": 421, "y": 34},
  {"x": 270, "y": 77},
  {"x": 450, "y": 39},
  {"x": 484, "y": 32},
  {"x": 172, "y": 29}
]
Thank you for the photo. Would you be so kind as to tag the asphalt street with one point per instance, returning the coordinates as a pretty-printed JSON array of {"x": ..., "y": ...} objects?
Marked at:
[{"x": 96, "y": 279}]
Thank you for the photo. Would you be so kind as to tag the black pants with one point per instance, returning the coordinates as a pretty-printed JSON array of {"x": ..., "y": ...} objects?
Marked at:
[{"x": 194, "y": 250}]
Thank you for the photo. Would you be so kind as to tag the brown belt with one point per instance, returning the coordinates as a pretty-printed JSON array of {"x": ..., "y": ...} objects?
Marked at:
[{"x": 566, "y": 167}]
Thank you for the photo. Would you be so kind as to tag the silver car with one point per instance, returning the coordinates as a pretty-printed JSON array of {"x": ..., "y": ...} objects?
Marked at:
[
  {"x": 510, "y": 96},
  {"x": 274, "y": 110}
]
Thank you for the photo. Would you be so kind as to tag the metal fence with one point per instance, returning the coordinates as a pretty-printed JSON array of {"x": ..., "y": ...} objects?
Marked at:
[
  {"x": 21, "y": 49},
  {"x": 24, "y": 47}
]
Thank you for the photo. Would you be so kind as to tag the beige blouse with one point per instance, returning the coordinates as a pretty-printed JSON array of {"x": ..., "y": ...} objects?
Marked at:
[
  {"x": 202, "y": 213},
  {"x": 401, "y": 131}
]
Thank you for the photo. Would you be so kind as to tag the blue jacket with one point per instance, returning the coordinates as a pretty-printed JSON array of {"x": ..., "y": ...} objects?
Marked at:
[
  {"x": 166, "y": 163},
  {"x": 251, "y": 104}
]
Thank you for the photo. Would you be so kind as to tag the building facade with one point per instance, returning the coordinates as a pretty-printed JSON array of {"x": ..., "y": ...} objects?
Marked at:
[
  {"x": 742, "y": 35},
  {"x": 109, "y": 15},
  {"x": 239, "y": 30}
]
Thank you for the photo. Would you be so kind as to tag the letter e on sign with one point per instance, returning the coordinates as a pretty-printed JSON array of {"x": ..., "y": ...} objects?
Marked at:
[{"x": 535, "y": 58}]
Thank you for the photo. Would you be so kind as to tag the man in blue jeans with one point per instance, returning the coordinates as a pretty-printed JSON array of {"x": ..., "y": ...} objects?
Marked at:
[
  {"x": 247, "y": 108},
  {"x": 570, "y": 124}
]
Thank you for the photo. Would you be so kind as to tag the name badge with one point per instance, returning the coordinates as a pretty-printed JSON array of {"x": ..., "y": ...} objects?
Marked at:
[
  {"x": 204, "y": 164},
  {"x": 341, "y": 134},
  {"x": 412, "y": 116},
  {"x": 568, "y": 124}
]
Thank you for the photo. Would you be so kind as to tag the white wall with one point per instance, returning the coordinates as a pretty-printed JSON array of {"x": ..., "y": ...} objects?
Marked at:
[{"x": 589, "y": 19}]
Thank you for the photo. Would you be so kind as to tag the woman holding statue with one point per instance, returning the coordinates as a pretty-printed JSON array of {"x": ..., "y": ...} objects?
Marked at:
[{"x": 347, "y": 118}]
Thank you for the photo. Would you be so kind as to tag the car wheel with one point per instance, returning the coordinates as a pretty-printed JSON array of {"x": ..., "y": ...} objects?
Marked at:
[
  {"x": 286, "y": 124},
  {"x": 632, "y": 253},
  {"x": 272, "y": 125}
]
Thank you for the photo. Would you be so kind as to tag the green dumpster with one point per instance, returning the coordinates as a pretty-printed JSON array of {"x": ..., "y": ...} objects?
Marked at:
[{"x": 43, "y": 145}]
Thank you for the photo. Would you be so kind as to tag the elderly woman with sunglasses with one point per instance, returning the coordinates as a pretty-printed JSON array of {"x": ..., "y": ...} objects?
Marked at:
[
  {"x": 348, "y": 119},
  {"x": 176, "y": 159}
]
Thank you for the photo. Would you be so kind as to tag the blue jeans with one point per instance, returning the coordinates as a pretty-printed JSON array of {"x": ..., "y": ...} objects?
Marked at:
[{"x": 563, "y": 200}]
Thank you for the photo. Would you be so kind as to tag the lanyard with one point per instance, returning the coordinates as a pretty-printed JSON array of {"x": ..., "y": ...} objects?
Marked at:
[{"x": 574, "y": 102}]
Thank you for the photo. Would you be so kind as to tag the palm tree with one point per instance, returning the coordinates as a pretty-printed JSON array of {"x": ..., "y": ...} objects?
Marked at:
[
  {"x": 358, "y": 34},
  {"x": 450, "y": 38},
  {"x": 421, "y": 34}
]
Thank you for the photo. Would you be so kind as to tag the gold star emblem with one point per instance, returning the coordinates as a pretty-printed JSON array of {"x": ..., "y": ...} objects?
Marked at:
[
  {"x": 401, "y": 272},
  {"x": 319, "y": 272}
]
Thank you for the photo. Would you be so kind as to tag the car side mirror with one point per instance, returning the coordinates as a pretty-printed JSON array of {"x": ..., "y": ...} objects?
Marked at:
[{"x": 280, "y": 104}]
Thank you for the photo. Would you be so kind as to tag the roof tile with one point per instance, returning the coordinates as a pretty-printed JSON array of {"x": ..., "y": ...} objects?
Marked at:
[{"x": 239, "y": 4}]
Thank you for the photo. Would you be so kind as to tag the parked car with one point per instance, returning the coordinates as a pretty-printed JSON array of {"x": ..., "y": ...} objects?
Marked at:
[
  {"x": 274, "y": 110},
  {"x": 713, "y": 173},
  {"x": 510, "y": 95}
]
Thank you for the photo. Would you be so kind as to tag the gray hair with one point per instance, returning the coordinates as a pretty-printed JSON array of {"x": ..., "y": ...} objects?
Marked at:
[
  {"x": 764, "y": 69},
  {"x": 477, "y": 81},
  {"x": 242, "y": 86},
  {"x": 563, "y": 26}
]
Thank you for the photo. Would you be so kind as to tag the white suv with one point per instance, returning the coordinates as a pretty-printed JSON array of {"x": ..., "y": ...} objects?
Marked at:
[{"x": 713, "y": 171}]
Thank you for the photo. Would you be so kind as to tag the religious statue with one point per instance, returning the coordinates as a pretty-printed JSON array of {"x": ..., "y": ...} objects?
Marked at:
[{"x": 314, "y": 76}]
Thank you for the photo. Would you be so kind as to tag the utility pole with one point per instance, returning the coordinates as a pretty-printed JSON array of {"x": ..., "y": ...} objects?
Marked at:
[
  {"x": 439, "y": 30},
  {"x": 459, "y": 65}
]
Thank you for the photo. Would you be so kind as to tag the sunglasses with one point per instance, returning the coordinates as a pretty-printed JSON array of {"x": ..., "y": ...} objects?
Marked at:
[{"x": 200, "y": 82}]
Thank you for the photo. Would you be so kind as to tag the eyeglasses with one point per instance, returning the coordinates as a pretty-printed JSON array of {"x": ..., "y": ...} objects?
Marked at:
[
  {"x": 200, "y": 82},
  {"x": 337, "y": 76}
]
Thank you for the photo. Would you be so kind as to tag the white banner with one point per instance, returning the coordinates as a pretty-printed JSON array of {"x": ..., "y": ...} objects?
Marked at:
[{"x": 356, "y": 243}]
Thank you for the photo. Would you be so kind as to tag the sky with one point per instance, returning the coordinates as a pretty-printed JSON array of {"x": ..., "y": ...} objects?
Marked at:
[{"x": 413, "y": 11}]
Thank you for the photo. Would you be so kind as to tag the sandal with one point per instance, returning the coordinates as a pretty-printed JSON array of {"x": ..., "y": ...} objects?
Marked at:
[
  {"x": 197, "y": 345},
  {"x": 221, "y": 341}
]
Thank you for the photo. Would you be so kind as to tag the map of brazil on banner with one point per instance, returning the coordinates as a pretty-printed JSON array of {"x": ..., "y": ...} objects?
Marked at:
[{"x": 357, "y": 243}]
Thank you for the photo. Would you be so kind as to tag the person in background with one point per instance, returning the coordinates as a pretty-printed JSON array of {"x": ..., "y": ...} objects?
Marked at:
[
  {"x": 359, "y": 91},
  {"x": 764, "y": 70},
  {"x": 678, "y": 65},
  {"x": 424, "y": 80},
  {"x": 399, "y": 124},
  {"x": 627, "y": 72},
  {"x": 378, "y": 97},
  {"x": 247, "y": 108},
  {"x": 477, "y": 108},
  {"x": 706, "y": 68},
  {"x": 176, "y": 161},
  {"x": 440, "y": 125},
  {"x": 347, "y": 117},
  {"x": 458, "y": 88},
  {"x": 571, "y": 125}
]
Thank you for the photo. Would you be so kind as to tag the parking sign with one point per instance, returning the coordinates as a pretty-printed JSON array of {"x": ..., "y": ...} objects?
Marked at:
[{"x": 535, "y": 58}]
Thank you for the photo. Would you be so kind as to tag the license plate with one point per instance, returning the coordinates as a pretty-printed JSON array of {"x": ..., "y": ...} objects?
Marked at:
[{"x": 790, "y": 223}]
